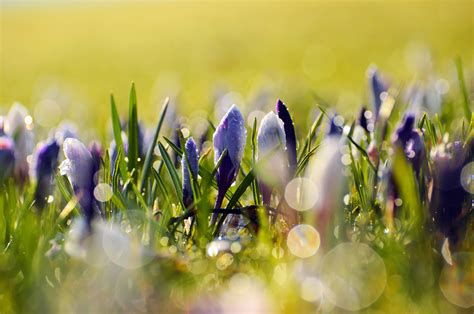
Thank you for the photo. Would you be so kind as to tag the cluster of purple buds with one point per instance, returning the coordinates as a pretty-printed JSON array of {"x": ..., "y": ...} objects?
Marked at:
[
  {"x": 80, "y": 167},
  {"x": 45, "y": 166},
  {"x": 230, "y": 136},
  {"x": 189, "y": 172},
  {"x": 276, "y": 138},
  {"x": 448, "y": 196}
]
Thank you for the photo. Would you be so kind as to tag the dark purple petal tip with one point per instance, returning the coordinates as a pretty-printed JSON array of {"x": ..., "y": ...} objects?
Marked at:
[{"x": 290, "y": 135}]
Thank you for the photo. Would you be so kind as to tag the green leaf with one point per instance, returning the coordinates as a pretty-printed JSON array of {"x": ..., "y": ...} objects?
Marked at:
[
  {"x": 246, "y": 182},
  {"x": 132, "y": 131},
  {"x": 309, "y": 138},
  {"x": 463, "y": 88},
  {"x": 118, "y": 138},
  {"x": 149, "y": 155},
  {"x": 255, "y": 188},
  {"x": 173, "y": 174}
]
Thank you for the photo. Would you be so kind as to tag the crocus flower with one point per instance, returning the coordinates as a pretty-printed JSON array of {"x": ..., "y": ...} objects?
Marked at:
[
  {"x": 364, "y": 120},
  {"x": 411, "y": 141},
  {"x": 7, "y": 157},
  {"x": 79, "y": 169},
  {"x": 377, "y": 87},
  {"x": 231, "y": 135},
  {"x": 290, "y": 136},
  {"x": 46, "y": 158},
  {"x": 19, "y": 128},
  {"x": 271, "y": 137},
  {"x": 96, "y": 152},
  {"x": 335, "y": 126},
  {"x": 193, "y": 158},
  {"x": 448, "y": 195}
]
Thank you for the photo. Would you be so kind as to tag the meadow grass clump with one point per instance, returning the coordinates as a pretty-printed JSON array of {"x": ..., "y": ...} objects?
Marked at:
[{"x": 365, "y": 214}]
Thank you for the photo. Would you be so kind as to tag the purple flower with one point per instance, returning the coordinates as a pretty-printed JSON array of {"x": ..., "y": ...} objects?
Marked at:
[
  {"x": 271, "y": 141},
  {"x": 96, "y": 151},
  {"x": 448, "y": 195},
  {"x": 290, "y": 136},
  {"x": 365, "y": 120},
  {"x": 46, "y": 162},
  {"x": 377, "y": 87},
  {"x": 188, "y": 172},
  {"x": 79, "y": 169},
  {"x": 335, "y": 126},
  {"x": 7, "y": 157},
  {"x": 230, "y": 135},
  {"x": 411, "y": 141},
  {"x": 18, "y": 126}
]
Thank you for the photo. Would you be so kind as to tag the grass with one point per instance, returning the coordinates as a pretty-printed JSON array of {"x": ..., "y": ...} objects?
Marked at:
[
  {"x": 152, "y": 253},
  {"x": 147, "y": 255}
]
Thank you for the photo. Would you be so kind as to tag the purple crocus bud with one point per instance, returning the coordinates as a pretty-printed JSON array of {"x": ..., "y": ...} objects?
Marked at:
[
  {"x": 448, "y": 196},
  {"x": 7, "y": 157},
  {"x": 188, "y": 172},
  {"x": 96, "y": 152},
  {"x": 231, "y": 135},
  {"x": 272, "y": 163},
  {"x": 290, "y": 136},
  {"x": 46, "y": 160},
  {"x": 365, "y": 120},
  {"x": 336, "y": 123},
  {"x": 79, "y": 169},
  {"x": 411, "y": 140},
  {"x": 377, "y": 87},
  {"x": 18, "y": 126}
]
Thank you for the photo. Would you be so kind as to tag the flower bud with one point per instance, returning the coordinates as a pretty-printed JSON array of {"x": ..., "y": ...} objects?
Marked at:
[
  {"x": 230, "y": 135},
  {"x": 46, "y": 160},
  {"x": 193, "y": 159}
]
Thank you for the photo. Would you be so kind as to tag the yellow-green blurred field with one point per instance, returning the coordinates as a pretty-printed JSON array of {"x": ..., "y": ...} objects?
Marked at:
[{"x": 85, "y": 50}]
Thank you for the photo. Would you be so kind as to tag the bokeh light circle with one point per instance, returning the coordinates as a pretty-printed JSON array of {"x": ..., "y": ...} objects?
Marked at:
[
  {"x": 122, "y": 243},
  {"x": 303, "y": 241},
  {"x": 301, "y": 194},
  {"x": 467, "y": 177},
  {"x": 311, "y": 289},
  {"x": 457, "y": 280},
  {"x": 103, "y": 192},
  {"x": 354, "y": 276}
]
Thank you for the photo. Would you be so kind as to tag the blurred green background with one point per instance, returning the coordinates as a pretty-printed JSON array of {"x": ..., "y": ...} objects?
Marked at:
[{"x": 76, "y": 53}]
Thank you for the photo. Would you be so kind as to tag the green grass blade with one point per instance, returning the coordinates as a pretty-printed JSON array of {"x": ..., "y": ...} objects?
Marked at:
[
  {"x": 132, "y": 131},
  {"x": 149, "y": 155},
  {"x": 118, "y": 138},
  {"x": 173, "y": 174},
  {"x": 463, "y": 88}
]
